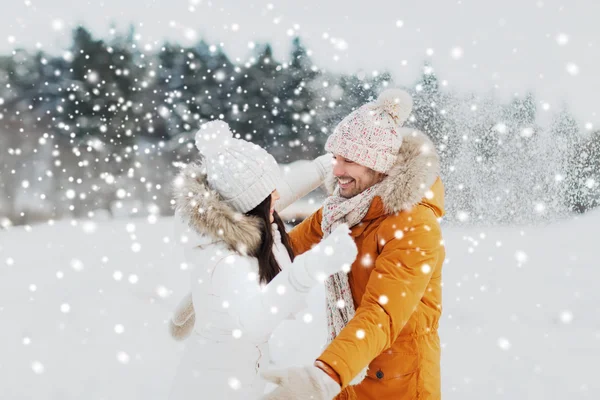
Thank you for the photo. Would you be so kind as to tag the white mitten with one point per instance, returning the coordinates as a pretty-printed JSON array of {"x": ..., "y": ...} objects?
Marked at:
[
  {"x": 308, "y": 382},
  {"x": 325, "y": 165},
  {"x": 335, "y": 253}
]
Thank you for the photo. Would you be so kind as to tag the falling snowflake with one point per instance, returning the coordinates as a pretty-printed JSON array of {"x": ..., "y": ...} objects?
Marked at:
[
  {"x": 92, "y": 77},
  {"x": 190, "y": 34},
  {"x": 307, "y": 318},
  {"x": 367, "y": 260},
  {"x": 590, "y": 183},
  {"x": 504, "y": 344},
  {"x": 76, "y": 264},
  {"x": 237, "y": 333},
  {"x": 163, "y": 292},
  {"x": 123, "y": 357},
  {"x": 562, "y": 39},
  {"x": 234, "y": 383},
  {"x": 463, "y": 216},
  {"x": 57, "y": 25},
  {"x": 89, "y": 227},
  {"x": 119, "y": 329},
  {"x": 566, "y": 317},
  {"x": 527, "y": 132},
  {"x": 457, "y": 53},
  {"x": 65, "y": 308},
  {"x": 37, "y": 367},
  {"x": 572, "y": 69},
  {"x": 360, "y": 334},
  {"x": 521, "y": 257}
]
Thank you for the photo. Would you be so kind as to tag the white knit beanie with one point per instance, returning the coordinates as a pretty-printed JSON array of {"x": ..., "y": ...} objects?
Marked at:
[
  {"x": 243, "y": 173},
  {"x": 369, "y": 135}
]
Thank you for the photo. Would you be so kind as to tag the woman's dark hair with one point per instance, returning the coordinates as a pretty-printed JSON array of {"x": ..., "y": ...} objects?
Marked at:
[{"x": 268, "y": 267}]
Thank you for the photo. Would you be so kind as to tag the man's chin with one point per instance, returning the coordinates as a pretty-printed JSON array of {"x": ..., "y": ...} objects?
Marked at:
[{"x": 347, "y": 194}]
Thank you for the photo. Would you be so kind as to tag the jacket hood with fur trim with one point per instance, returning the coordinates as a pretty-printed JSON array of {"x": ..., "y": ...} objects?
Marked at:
[{"x": 204, "y": 211}]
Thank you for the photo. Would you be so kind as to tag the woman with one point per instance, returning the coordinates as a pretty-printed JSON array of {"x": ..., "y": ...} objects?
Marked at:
[{"x": 245, "y": 278}]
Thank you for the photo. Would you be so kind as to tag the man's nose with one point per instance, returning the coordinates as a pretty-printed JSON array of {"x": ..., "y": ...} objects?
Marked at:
[{"x": 338, "y": 169}]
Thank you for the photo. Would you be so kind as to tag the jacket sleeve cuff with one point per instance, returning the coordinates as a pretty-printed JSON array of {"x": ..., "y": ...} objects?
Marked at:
[
  {"x": 338, "y": 365},
  {"x": 329, "y": 371}
]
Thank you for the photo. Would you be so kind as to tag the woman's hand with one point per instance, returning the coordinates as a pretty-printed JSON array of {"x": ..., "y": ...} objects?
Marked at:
[{"x": 335, "y": 253}]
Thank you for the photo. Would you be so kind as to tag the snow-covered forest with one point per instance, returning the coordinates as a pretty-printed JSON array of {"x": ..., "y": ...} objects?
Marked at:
[{"x": 99, "y": 130}]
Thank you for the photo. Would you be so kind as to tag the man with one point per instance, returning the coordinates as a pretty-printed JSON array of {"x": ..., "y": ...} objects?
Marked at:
[{"x": 383, "y": 315}]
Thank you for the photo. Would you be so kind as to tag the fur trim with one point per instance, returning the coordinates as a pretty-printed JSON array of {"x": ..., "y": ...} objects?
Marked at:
[
  {"x": 415, "y": 170},
  {"x": 204, "y": 210},
  {"x": 184, "y": 319},
  {"x": 180, "y": 332}
]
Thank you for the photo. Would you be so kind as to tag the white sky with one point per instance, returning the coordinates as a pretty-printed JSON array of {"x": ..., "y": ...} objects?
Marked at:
[{"x": 515, "y": 44}]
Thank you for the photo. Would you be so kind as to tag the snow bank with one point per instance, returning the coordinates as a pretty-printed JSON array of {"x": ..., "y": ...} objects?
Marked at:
[{"x": 83, "y": 311}]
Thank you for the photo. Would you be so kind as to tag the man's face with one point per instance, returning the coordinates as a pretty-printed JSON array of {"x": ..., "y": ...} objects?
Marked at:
[{"x": 353, "y": 178}]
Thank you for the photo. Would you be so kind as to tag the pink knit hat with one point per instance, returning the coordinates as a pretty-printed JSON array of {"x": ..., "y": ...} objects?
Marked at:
[{"x": 369, "y": 135}]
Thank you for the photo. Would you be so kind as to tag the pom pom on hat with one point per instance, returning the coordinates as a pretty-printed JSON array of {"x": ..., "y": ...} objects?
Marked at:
[
  {"x": 213, "y": 137},
  {"x": 396, "y": 102}
]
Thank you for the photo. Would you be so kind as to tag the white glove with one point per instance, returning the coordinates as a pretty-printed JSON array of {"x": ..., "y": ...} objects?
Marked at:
[
  {"x": 335, "y": 253},
  {"x": 325, "y": 164},
  {"x": 301, "y": 383}
]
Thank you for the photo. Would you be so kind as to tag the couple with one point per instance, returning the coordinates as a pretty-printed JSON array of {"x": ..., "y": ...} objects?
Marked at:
[{"x": 376, "y": 243}]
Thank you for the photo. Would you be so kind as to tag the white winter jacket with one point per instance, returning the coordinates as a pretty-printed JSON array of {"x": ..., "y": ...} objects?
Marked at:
[{"x": 234, "y": 315}]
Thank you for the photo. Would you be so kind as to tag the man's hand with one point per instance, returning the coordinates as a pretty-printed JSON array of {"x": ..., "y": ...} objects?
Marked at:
[{"x": 301, "y": 383}]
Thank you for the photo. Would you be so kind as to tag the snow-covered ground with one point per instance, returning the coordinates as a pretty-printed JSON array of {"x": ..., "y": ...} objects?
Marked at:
[{"x": 83, "y": 311}]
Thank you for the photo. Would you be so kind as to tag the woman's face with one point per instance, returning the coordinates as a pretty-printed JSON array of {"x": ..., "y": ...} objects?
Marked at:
[{"x": 274, "y": 197}]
